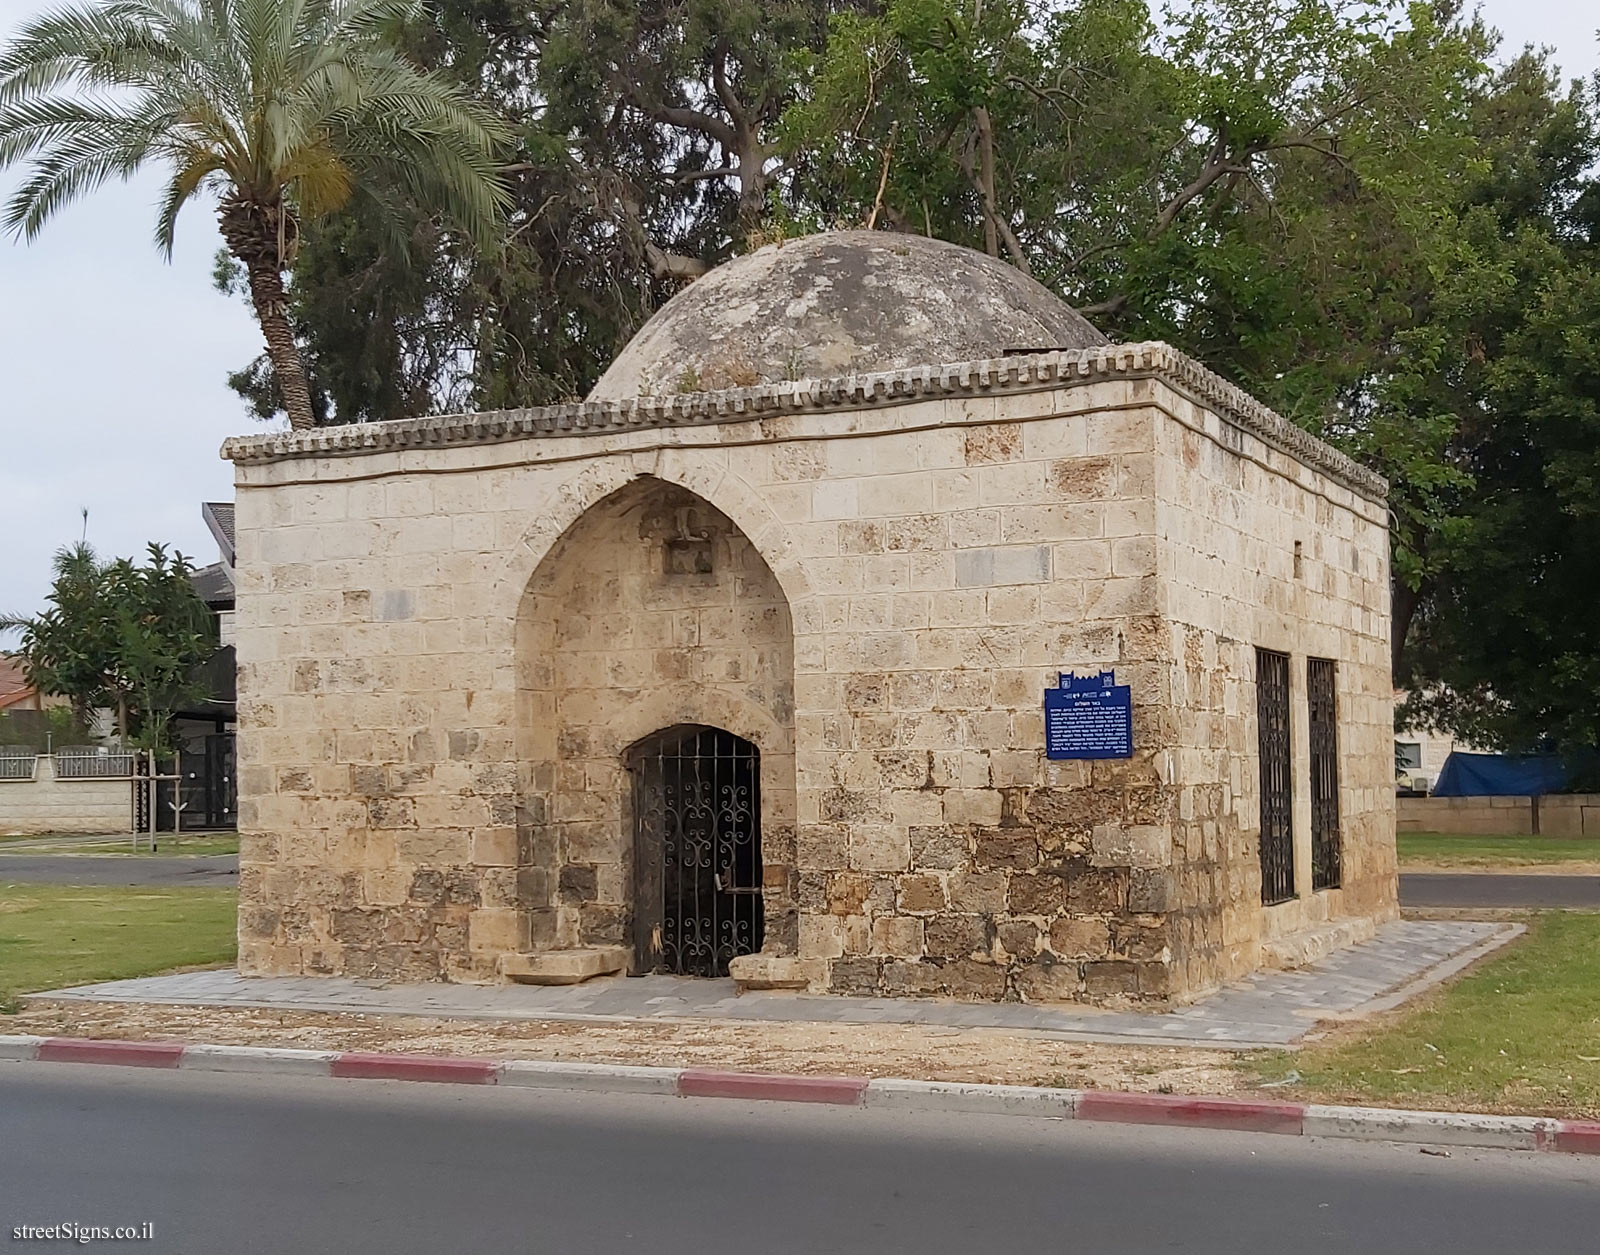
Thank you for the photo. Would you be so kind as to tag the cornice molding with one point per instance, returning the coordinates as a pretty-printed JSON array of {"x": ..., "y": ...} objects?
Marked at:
[{"x": 1024, "y": 373}]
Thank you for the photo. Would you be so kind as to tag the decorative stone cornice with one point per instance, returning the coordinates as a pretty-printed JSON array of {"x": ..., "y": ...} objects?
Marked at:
[{"x": 1023, "y": 373}]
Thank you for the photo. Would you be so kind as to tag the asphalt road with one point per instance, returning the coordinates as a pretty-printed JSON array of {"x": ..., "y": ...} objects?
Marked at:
[
  {"x": 200, "y": 871},
  {"x": 249, "y": 1165},
  {"x": 1465, "y": 889}
]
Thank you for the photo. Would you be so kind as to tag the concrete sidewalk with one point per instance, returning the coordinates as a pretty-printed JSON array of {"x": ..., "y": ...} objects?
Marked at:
[{"x": 1270, "y": 1009}]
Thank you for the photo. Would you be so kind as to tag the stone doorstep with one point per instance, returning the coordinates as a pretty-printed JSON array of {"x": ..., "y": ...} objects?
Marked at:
[
  {"x": 1194, "y": 1111},
  {"x": 564, "y": 967},
  {"x": 1303, "y": 948},
  {"x": 771, "y": 971}
]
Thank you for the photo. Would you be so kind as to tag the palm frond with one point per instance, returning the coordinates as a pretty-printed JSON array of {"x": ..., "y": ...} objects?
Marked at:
[
  {"x": 276, "y": 101},
  {"x": 180, "y": 190}
]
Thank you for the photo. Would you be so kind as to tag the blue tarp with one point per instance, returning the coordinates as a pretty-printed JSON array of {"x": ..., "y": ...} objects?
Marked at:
[{"x": 1500, "y": 775}]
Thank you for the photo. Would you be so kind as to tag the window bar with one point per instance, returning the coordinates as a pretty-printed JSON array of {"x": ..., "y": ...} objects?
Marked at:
[
  {"x": 1322, "y": 703},
  {"x": 1277, "y": 800}
]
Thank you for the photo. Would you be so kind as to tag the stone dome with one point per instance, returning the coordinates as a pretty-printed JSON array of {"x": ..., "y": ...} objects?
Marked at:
[{"x": 840, "y": 303}]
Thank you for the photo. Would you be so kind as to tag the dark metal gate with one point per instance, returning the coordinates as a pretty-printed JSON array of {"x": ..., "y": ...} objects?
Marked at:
[
  {"x": 697, "y": 851},
  {"x": 209, "y": 792},
  {"x": 1322, "y": 705},
  {"x": 1277, "y": 796},
  {"x": 166, "y": 814}
]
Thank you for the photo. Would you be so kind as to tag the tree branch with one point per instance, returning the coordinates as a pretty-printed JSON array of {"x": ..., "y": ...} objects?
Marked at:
[
  {"x": 725, "y": 93},
  {"x": 696, "y": 120},
  {"x": 1213, "y": 171},
  {"x": 1114, "y": 306},
  {"x": 696, "y": 176},
  {"x": 994, "y": 224},
  {"x": 673, "y": 265}
]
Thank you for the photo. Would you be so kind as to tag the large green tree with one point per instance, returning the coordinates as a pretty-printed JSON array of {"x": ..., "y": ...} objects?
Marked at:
[
  {"x": 119, "y": 635},
  {"x": 1504, "y": 646},
  {"x": 1343, "y": 205},
  {"x": 286, "y": 109},
  {"x": 645, "y": 151}
]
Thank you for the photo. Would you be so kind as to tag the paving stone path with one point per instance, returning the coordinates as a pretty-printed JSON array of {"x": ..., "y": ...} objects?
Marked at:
[{"x": 1269, "y": 1009}]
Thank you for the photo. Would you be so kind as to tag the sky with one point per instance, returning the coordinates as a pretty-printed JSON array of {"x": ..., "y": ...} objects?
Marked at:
[{"x": 113, "y": 362}]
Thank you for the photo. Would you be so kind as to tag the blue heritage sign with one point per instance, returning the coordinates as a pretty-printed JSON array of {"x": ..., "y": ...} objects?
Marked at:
[{"x": 1088, "y": 716}]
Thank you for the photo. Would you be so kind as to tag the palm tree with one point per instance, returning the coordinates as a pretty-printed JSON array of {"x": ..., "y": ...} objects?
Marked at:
[{"x": 283, "y": 108}]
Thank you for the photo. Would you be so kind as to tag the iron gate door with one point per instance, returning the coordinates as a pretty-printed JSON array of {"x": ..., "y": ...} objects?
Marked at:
[
  {"x": 209, "y": 792},
  {"x": 697, "y": 851}
]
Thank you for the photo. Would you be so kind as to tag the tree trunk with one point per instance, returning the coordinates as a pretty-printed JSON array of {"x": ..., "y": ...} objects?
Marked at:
[
  {"x": 986, "y": 192},
  {"x": 263, "y": 237},
  {"x": 1403, "y": 609}
]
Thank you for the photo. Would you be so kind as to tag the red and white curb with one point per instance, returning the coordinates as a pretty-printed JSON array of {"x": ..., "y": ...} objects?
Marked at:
[{"x": 1245, "y": 1115}]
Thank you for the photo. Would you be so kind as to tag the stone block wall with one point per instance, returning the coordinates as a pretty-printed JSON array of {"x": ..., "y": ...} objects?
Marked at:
[
  {"x": 1257, "y": 549},
  {"x": 1559, "y": 815},
  {"x": 449, "y": 632}
]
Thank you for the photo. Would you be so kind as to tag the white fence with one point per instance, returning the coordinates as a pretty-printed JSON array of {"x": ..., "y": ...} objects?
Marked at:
[
  {"x": 93, "y": 762},
  {"x": 17, "y": 762},
  {"x": 74, "y": 790}
]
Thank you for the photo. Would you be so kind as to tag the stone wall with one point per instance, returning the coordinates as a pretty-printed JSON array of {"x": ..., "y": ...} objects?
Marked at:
[
  {"x": 46, "y": 804},
  {"x": 445, "y": 649},
  {"x": 1256, "y": 550},
  {"x": 1559, "y": 815}
]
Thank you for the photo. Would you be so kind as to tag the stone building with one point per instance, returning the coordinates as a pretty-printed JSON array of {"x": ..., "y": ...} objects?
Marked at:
[{"x": 740, "y": 665}]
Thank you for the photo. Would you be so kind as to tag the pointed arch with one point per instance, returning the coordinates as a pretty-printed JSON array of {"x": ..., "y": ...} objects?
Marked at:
[{"x": 693, "y": 470}]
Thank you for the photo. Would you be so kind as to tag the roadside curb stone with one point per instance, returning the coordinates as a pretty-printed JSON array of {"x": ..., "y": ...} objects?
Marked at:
[{"x": 1372, "y": 1124}]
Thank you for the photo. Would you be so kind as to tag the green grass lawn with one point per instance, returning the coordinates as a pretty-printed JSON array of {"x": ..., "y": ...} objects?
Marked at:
[
  {"x": 1520, "y": 1033},
  {"x": 1445, "y": 849},
  {"x": 54, "y": 935}
]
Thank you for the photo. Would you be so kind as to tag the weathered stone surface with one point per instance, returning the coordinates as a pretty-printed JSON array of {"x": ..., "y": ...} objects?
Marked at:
[
  {"x": 1006, "y": 848},
  {"x": 563, "y": 967},
  {"x": 957, "y": 936},
  {"x": 922, "y": 894},
  {"x": 1144, "y": 846},
  {"x": 1038, "y": 893},
  {"x": 769, "y": 971},
  {"x": 893, "y": 300},
  {"x": 1050, "y": 981},
  {"x": 1080, "y": 938}
]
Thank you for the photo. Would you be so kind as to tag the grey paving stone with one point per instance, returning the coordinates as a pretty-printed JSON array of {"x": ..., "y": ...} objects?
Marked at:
[{"x": 1268, "y": 1009}]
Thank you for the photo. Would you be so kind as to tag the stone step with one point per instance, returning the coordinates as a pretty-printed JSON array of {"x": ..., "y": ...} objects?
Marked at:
[
  {"x": 564, "y": 967},
  {"x": 1301, "y": 949}
]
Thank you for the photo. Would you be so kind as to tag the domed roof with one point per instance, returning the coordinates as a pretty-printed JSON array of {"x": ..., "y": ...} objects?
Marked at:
[{"x": 839, "y": 303}]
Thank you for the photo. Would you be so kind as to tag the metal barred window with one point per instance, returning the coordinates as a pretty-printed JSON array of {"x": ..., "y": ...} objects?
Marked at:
[
  {"x": 1277, "y": 794},
  {"x": 1322, "y": 705},
  {"x": 697, "y": 851}
]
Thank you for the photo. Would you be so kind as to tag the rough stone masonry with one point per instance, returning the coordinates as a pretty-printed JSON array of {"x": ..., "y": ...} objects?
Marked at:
[{"x": 461, "y": 637}]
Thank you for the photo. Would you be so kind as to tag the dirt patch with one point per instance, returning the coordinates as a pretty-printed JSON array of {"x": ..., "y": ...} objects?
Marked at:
[{"x": 912, "y": 1051}]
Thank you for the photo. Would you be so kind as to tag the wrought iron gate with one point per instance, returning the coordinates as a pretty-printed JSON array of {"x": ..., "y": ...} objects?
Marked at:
[
  {"x": 209, "y": 792},
  {"x": 1322, "y": 706},
  {"x": 697, "y": 851},
  {"x": 1277, "y": 797}
]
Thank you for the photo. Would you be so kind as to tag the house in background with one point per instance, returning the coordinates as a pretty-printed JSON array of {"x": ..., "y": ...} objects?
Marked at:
[
  {"x": 214, "y": 583},
  {"x": 1420, "y": 753},
  {"x": 15, "y": 691},
  {"x": 205, "y": 730}
]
